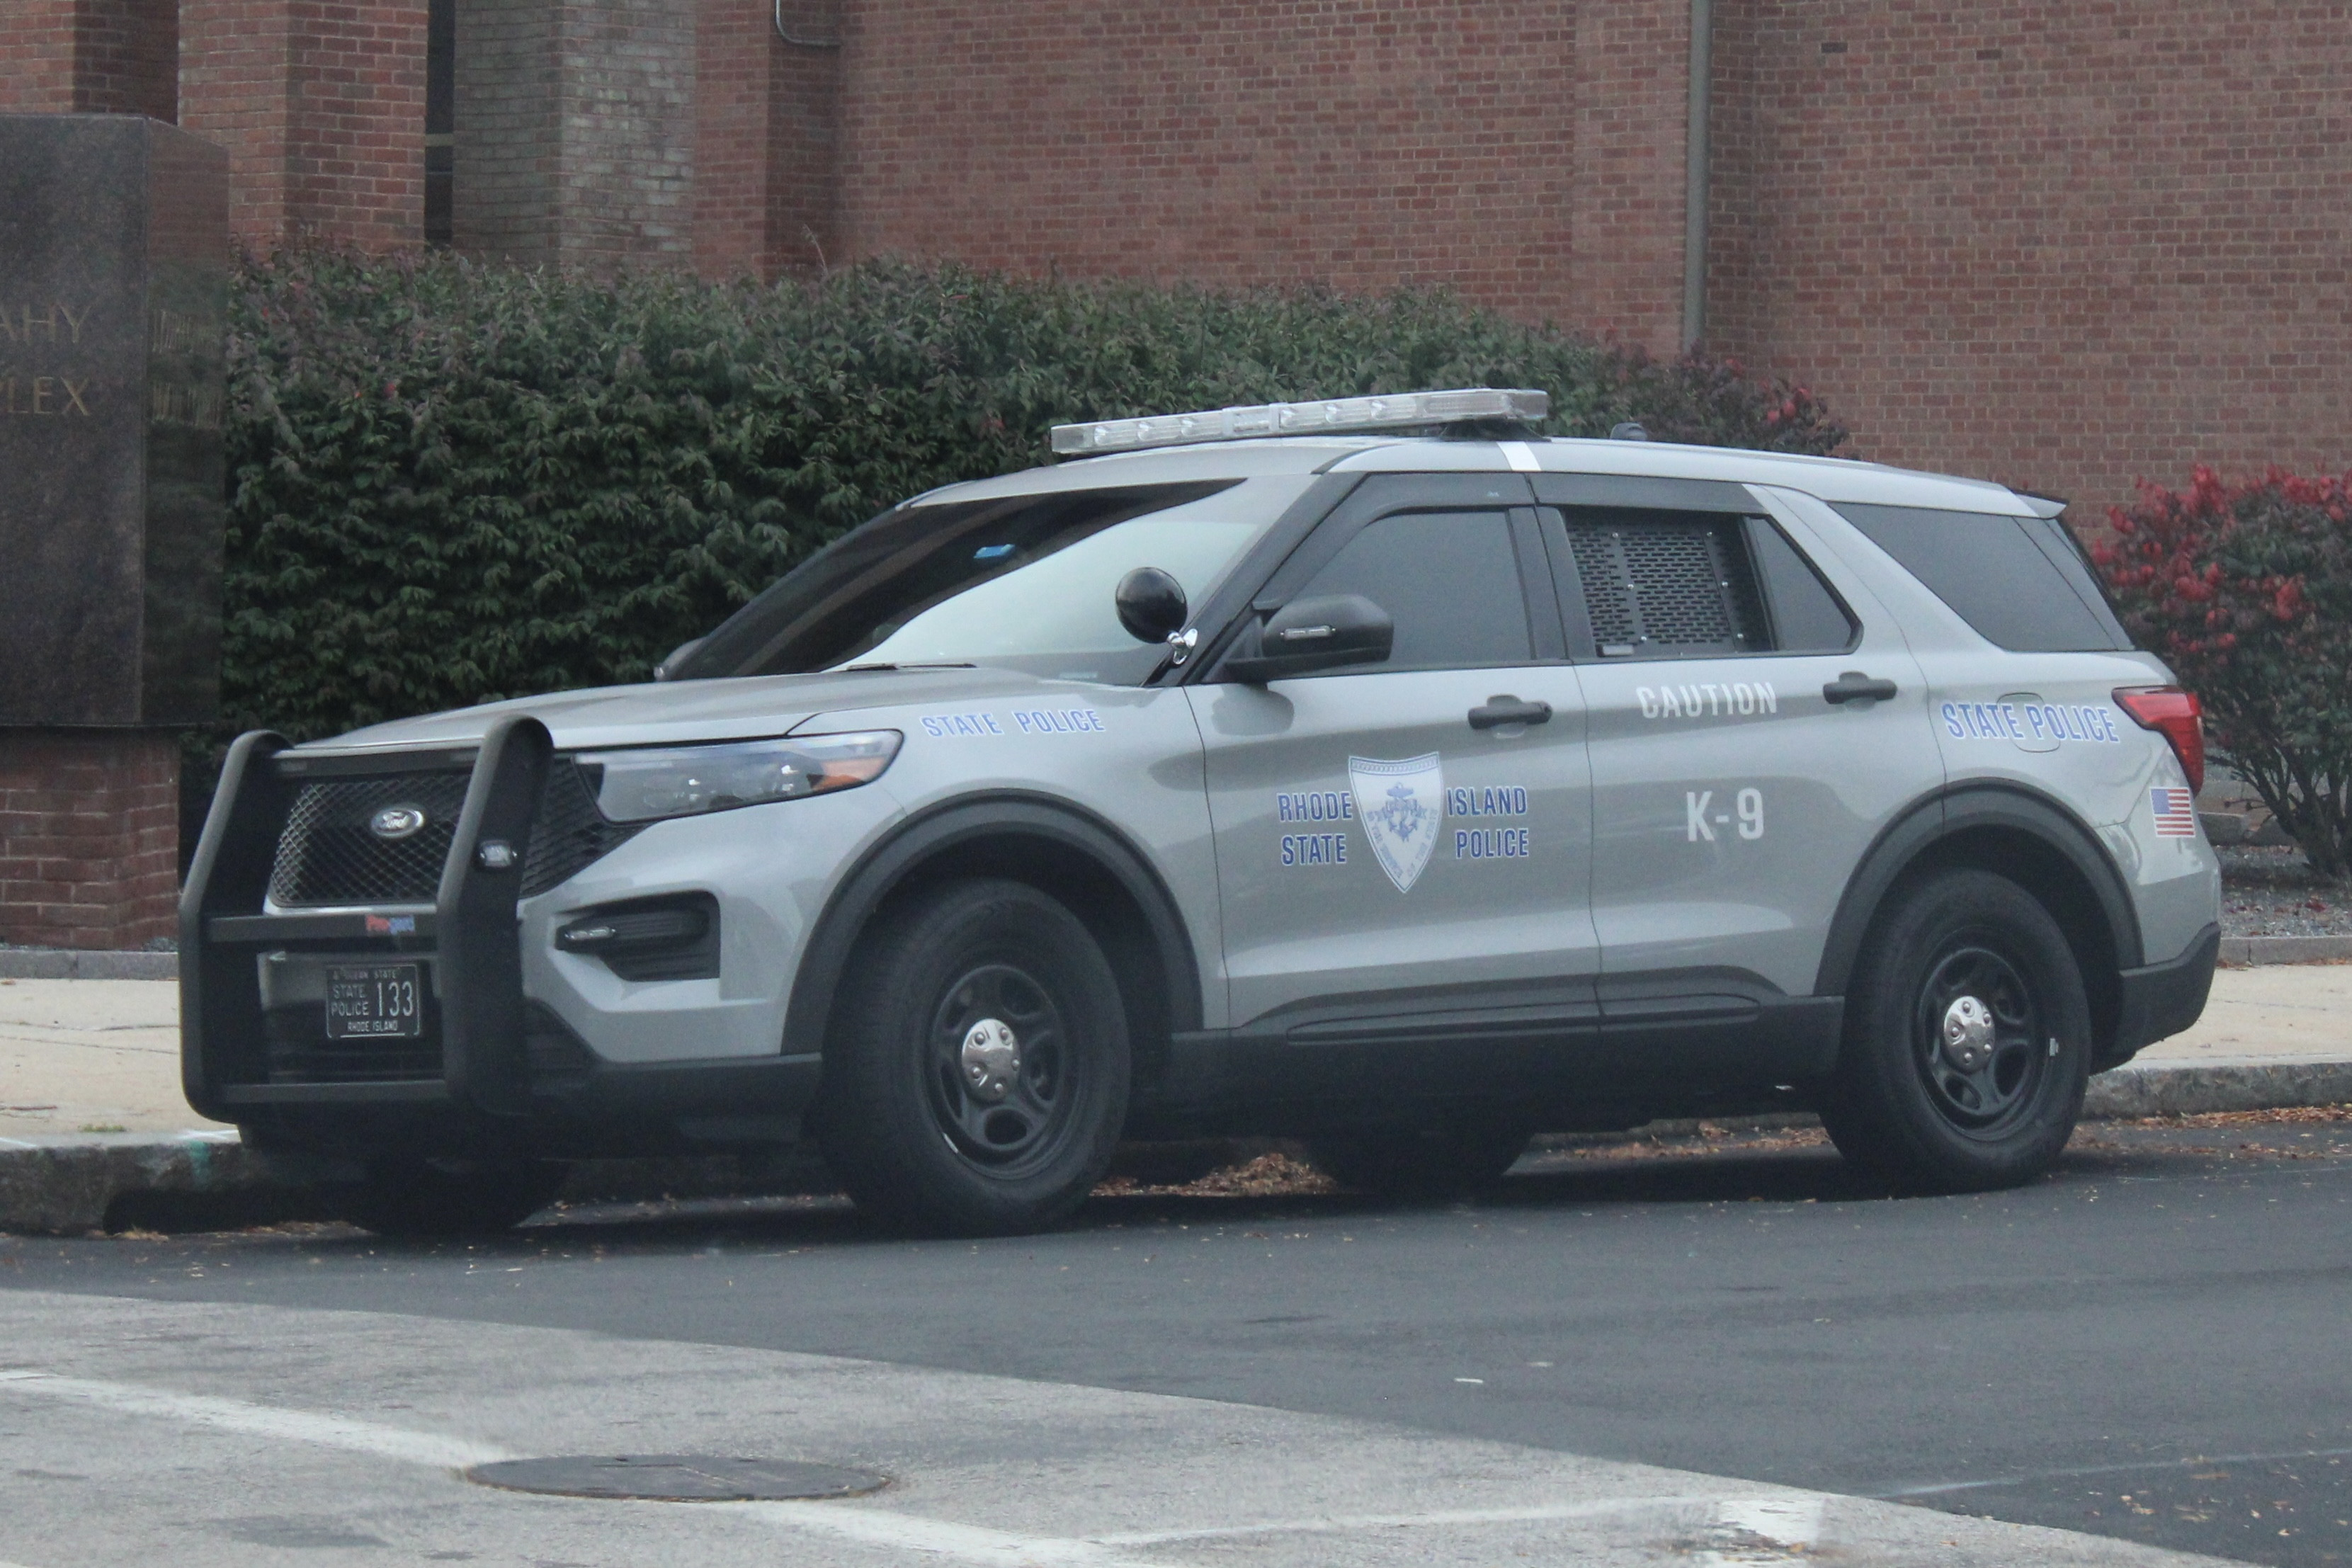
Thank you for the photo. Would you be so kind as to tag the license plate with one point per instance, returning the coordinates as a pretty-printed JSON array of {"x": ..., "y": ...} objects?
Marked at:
[{"x": 374, "y": 1002}]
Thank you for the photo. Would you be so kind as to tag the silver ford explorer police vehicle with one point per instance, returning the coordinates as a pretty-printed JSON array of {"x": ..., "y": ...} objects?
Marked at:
[{"x": 1368, "y": 771}]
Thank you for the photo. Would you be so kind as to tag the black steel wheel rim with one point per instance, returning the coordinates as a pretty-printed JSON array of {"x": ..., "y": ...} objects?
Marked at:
[
  {"x": 1009, "y": 1126},
  {"x": 1992, "y": 1079}
]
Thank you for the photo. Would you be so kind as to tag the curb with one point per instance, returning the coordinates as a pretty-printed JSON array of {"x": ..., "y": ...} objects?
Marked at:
[
  {"x": 211, "y": 1181},
  {"x": 2158, "y": 1089},
  {"x": 81, "y": 963},
  {"x": 2286, "y": 948},
  {"x": 70, "y": 1185}
]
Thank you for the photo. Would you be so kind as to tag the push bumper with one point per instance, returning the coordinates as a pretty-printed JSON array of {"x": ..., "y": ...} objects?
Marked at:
[{"x": 491, "y": 1070}]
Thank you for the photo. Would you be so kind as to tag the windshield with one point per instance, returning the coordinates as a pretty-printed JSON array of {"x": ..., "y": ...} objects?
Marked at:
[{"x": 1022, "y": 581}]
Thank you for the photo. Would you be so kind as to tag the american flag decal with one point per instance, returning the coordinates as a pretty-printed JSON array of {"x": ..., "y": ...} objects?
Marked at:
[{"x": 2176, "y": 813}]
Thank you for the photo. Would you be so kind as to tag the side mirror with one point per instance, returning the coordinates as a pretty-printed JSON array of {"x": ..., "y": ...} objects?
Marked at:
[
  {"x": 668, "y": 668},
  {"x": 1309, "y": 634},
  {"x": 1150, "y": 605}
]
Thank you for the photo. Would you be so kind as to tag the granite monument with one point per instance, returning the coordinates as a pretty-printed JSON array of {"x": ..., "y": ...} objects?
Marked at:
[{"x": 114, "y": 254}]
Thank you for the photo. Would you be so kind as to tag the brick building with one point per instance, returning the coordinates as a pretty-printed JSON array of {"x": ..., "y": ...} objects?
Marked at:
[{"x": 2066, "y": 246}]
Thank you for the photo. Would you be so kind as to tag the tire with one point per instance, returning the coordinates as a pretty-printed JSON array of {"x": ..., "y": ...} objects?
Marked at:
[
  {"x": 1439, "y": 1161},
  {"x": 421, "y": 1199},
  {"x": 1973, "y": 954},
  {"x": 976, "y": 1079}
]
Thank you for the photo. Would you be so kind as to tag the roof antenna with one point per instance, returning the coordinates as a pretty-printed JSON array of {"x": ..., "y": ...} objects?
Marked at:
[{"x": 1628, "y": 431}]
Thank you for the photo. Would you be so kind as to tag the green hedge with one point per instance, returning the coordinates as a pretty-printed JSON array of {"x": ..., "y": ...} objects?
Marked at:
[{"x": 451, "y": 482}]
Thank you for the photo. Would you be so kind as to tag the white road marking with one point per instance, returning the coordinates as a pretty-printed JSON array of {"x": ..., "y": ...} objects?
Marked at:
[
  {"x": 1331, "y": 1524},
  {"x": 1767, "y": 1530},
  {"x": 969, "y": 1542},
  {"x": 1935, "y": 1487},
  {"x": 1789, "y": 1520},
  {"x": 260, "y": 1420},
  {"x": 870, "y": 1526}
]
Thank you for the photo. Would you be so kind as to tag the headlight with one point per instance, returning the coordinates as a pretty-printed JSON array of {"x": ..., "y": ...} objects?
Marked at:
[{"x": 687, "y": 781}]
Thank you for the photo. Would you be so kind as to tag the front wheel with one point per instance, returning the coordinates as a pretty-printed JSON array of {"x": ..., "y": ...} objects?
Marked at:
[
  {"x": 976, "y": 1081},
  {"x": 1967, "y": 1039}
]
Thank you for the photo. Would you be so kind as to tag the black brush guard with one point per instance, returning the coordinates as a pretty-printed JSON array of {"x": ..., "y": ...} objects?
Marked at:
[{"x": 470, "y": 936}]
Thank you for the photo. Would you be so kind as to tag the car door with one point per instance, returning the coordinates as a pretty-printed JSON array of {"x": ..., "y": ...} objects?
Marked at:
[
  {"x": 1406, "y": 836},
  {"x": 1756, "y": 720}
]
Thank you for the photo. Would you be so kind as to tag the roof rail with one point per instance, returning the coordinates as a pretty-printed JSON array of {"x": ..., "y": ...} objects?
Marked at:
[{"x": 1336, "y": 417}]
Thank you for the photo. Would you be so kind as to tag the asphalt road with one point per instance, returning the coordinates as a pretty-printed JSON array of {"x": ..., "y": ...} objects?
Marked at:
[{"x": 2154, "y": 1346}]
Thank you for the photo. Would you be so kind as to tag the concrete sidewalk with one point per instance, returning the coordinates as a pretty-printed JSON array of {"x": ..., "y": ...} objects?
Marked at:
[
  {"x": 79, "y": 1056},
  {"x": 90, "y": 1106}
]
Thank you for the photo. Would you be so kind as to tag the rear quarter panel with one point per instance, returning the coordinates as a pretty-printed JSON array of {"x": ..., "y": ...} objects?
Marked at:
[{"x": 2048, "y": 723}]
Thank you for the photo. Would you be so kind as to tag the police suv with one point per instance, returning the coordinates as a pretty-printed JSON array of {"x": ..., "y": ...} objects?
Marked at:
[{"x": 1370, "y": 771}]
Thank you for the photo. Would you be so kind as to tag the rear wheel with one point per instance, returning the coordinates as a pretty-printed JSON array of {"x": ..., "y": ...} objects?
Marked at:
[
  {"x": 420, "y": 1198},
  {"x": 1967, "y": 1039},
  {"x": 1436, "y": 1162},
  {"x": 977, "y": 1078}
]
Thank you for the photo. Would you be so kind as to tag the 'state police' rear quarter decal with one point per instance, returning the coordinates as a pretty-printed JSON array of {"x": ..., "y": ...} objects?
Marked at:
[{"x": 2028, "y": 722}]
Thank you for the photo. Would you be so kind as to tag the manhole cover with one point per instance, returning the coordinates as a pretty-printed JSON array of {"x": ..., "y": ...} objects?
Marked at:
[{"x": 676, "y": 1477}]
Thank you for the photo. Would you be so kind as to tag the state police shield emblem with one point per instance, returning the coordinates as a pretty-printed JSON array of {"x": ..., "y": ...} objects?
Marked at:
[{"x": 1401, "y": 805}]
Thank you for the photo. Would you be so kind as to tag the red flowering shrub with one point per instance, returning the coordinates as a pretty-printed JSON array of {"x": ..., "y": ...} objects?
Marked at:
[{"x": 2246, "y": 592}]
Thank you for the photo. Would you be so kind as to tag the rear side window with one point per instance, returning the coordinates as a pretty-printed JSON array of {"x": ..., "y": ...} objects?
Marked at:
[
  {"x": 1449, "y": 580},
  {"x": 2020, "y": 586},
  {"x": 1679, "y": 584},
  {"x": 1807, "y": 614},
  {"x": 1666, "y": 586}
]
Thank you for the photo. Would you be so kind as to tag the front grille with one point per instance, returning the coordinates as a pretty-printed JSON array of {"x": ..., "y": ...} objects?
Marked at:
[
  {"x": 570, "y": 833},
  {"x": 328, "y": 856}
]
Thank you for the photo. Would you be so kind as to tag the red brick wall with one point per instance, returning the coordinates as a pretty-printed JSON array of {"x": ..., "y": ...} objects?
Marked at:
[
  {"x": 1360, "y": 143},
  {"x": 36, "y": 58},
  {"x": 89, "y": 837},
  {"x": 804, "y": 140},
  {"x": 734, "y": 48},
  {"x": 321, "y": 104},
  {"x": 1631, "y": 104},
  {"x": 2064, "y": 247},
  {"x": 127, "y": 58},
  {"x": 90, "y": 57}
]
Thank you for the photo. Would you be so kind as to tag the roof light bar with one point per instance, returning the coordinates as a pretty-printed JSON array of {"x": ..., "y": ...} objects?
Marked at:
[{"x": 1341, "y": 415}]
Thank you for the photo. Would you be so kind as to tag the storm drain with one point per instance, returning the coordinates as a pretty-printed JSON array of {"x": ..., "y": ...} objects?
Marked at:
[{"x": 677, "y": 1478}]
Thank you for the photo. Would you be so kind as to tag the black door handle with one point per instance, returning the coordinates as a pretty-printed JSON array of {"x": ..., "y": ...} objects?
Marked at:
[
  {"x": 1853, "y": 686},
  {"x": 1505, "y": 708}
]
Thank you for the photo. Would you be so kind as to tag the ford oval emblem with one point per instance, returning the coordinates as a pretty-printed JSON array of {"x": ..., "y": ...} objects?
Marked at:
[{"x": 396, "y": 821}]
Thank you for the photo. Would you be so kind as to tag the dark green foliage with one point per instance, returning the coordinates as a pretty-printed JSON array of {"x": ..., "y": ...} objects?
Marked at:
[
  {"x": 2246, "y": 592},
  {"x": 452, "y": 482}
]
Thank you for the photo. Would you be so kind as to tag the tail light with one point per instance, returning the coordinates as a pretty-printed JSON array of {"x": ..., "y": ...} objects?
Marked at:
[{"x": 2176, "y": 715}]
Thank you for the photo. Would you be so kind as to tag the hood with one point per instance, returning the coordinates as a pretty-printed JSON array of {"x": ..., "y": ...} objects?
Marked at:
[{"x": 676, "y": 712}]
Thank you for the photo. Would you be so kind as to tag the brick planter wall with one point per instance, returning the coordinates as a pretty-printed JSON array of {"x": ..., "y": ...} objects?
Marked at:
[{"x": 89, "y": 837}]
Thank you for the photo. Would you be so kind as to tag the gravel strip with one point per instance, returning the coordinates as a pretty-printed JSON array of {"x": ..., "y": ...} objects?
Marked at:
[{"x": 2268, "y": 891}]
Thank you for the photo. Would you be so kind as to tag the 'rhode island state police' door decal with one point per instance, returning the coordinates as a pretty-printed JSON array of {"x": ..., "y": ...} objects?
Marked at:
[{"x": 1401, "y": 805}]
